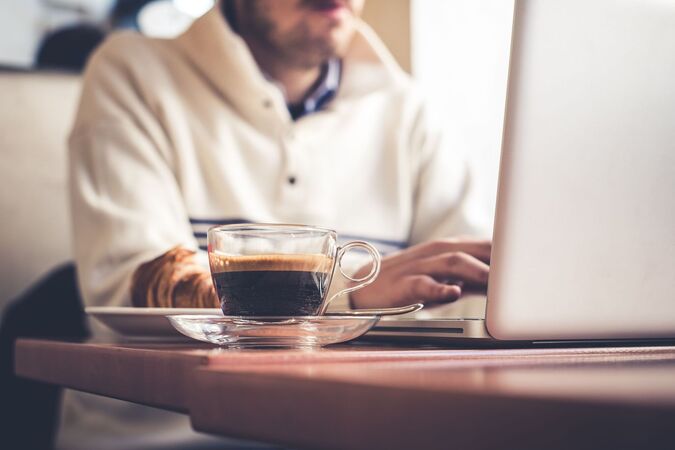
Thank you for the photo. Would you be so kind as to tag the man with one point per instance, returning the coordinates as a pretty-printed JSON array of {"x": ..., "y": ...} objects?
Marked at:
[
  {"x": 285, "y": 111},
  {"x": 300, "y": 116}
]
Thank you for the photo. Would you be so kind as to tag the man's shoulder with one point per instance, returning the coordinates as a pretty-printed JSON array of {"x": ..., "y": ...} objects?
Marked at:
[
  {"x": 405, "y": 94},
  {"x": 128, "y": 70}
]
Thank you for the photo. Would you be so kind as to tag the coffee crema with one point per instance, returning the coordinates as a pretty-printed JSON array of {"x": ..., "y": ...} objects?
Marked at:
[{"x": 270, "y": 285}]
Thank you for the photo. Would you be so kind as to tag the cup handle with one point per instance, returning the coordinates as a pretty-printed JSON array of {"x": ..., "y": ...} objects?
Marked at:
[{"x": 363, "y": 281}]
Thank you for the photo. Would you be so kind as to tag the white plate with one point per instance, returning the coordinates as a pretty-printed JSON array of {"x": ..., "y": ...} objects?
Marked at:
[
  {"x": 143, "y": 322},
  {"x": 135, "y": 322}
]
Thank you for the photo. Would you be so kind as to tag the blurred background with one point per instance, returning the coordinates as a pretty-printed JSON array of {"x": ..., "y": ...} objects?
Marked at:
[{"x": 456, "y": 49}]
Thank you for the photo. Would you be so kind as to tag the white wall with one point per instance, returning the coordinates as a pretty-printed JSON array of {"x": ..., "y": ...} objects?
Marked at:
[
  {"x": 460, "y": 52},
  {"x": 23, "y": 24},
  {"x": 19, "y": 36}
]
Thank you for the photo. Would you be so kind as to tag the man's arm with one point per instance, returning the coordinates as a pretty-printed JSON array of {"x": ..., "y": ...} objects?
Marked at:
[
  {"x": 126, "y": 205},
  {"x": 173, "y": 279}
]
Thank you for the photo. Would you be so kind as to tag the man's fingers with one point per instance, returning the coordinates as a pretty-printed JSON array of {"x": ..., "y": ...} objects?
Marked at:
[
  {"x": 455, "y": 265},
  {"x": 478, "y": 248},
  {"x": 426, "y": 289}
]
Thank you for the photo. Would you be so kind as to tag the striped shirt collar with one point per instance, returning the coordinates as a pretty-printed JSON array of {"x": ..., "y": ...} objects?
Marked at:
[{"x": 322, "y": 92}]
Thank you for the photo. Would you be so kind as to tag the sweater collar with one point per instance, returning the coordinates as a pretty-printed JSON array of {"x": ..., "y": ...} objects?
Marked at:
[{"x": 225, "y": 60}]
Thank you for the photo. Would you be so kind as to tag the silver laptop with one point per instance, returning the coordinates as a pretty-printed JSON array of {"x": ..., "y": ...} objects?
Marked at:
[{"x": 584, "y": 236}]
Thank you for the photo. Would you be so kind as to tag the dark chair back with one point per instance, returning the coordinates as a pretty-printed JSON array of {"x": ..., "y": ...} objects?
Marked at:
[{"x": 50, "y": 309}]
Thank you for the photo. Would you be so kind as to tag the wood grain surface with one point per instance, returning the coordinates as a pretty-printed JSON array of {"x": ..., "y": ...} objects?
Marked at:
[{"x": 365, "y": 396}]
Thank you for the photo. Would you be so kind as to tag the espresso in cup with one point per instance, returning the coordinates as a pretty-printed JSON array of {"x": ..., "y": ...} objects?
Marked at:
[
  {"x": 279, "y": 270},
  {"x": 271, "y": 285}
]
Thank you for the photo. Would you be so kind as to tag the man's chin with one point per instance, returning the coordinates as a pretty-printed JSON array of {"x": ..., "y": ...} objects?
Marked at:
[
  {"x": 335, "y": 43},
  {"x": 320, "y": 47},
  {"x": 319, "y": 53},
  {"x": 310, "y": 61}
]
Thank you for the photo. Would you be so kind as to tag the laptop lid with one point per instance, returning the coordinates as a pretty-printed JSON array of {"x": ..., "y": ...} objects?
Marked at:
[{"x": 584, "y": 243}]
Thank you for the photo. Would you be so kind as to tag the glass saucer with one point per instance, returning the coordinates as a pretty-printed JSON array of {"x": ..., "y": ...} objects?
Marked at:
[{"x": 296, "y": 332}]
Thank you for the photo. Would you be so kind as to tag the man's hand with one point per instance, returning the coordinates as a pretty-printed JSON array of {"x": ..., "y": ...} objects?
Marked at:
[{"x": 434, "y": 271}]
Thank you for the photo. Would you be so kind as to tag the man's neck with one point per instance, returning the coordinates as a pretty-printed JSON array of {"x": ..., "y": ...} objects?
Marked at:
[{"x": 297, "y": 81}]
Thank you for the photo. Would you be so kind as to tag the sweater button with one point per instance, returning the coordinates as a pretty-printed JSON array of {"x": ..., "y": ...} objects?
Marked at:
[
  {"x": 267, "y": 103},
  {"x": 291, "y": 180}
]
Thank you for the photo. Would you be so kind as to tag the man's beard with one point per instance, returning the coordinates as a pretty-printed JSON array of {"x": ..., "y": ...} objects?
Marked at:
[{"x": 297, "y": 47}]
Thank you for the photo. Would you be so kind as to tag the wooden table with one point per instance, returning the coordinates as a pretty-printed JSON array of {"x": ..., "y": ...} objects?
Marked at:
[{"x": 369, "y": 397}]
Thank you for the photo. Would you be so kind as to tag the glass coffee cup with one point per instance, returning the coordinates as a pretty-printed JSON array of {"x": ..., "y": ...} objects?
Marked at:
[{"x": 279, "y": 270}]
